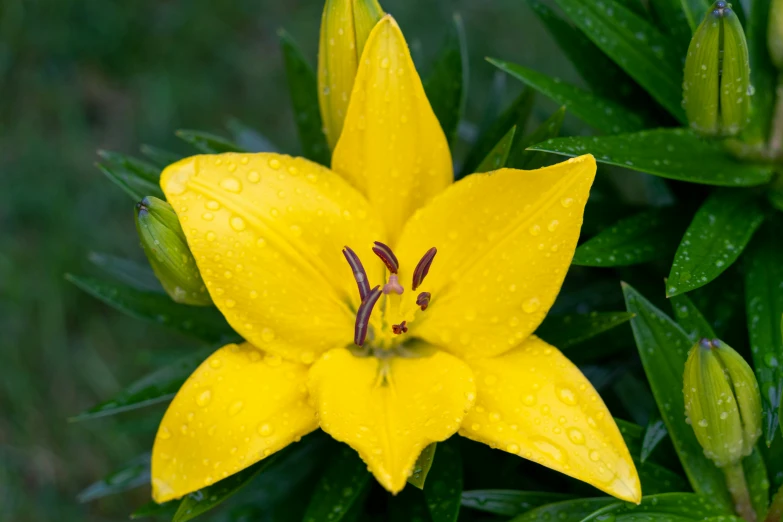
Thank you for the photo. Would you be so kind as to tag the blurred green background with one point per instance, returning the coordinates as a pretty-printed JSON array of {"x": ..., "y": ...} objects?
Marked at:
[{"x": 82, "y": 75}]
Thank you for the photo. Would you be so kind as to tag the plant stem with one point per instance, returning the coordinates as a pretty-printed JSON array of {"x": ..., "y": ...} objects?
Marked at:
[
  {"x": 776, "y": 136},
  {"x": 776, "y": 508},
  {"x": 735, "y": 481}
]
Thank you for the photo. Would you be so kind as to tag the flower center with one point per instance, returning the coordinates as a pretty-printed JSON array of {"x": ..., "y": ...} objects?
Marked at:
[{"x": 386, "y": 330}]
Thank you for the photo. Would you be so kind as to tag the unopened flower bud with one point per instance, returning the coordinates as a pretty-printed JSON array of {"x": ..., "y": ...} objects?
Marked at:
[
  {"x": 716, "y": 87},
  {"x": 722, "y": 401},
  {"x": 345, "y": 27},
  {"x": 775, "y": 33},
  {"x": 167, "y": 251}
]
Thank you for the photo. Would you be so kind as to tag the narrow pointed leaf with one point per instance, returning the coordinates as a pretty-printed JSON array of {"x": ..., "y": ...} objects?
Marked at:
[
  {"x": 565, "y": 331},
  {"x": 764, "y": 308},
  {"x": 603, "y": 114},
  {"x": 443, "y": 490},
  {"x": 134, "y": 186},
  {"x": 646, "y": 54},
  {"x": 663, "y": 348},
  {"x": 763, "y": 75},
  {"x": 691, "y": 319},
  {"x": 133, "y": 474},
  {"x": 517, "y": 114},
  {"x": 303, "y": 89},
  {"x": 509, "y": 502},
  {"x": 208, "y": 143},
  {"x": 139, "y": 168},
  {"x": 447, "y": 84},
  {"x": 159, "y": 386},
  {"x": 160, "y": 157},
  {"x": 654, "y": 433},
  {"x": 496, "y": 159},
  {"x": 657, "y": 479},
  {"x": 719, "y": 232},
  {"x": 423, "y": 465},
  {"x": 204, "y": 323},
  {"x": 637, "y": 239},
  {"x": 694, "y": 11},
  {"x": 521, "y": 158},
  {"x": 600, "y": 73},
  {"x": 248, "y": 138},
  {"x": 153, "y": 509},
  {"x": 670, "y": 153},
  {"x": 670, "y": 18},
  {"x": 758, "y": 483},
  {"x": 567, "y": 511},
  {"x": 339, "y": 488},
  {"x": 666, "y": 507},
  {"x": 129, "y": 272}
]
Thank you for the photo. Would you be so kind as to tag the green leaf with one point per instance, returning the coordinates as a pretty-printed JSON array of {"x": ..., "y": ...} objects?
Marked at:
[
  {"x": 159, "y": 386},
  {"x": 496, "y": 159},
  {"x": 131, "y": 273},
  {"x": 763, "y": 76},
  {"x": 758, "y": 483},
  {"x": 203, "y": 500},
  {"x": 131, "y": 183},
  {"x": 654, "y": 433},
  {"x": 664, "y": 508},
  {"x": 718, "y": 234},
  {"x": 663, "y": 347},
  {"x": 565, "y": 331},
  {"x": 567, "y": 511},
  {"x": 600, "y": 73},
  {"x": 248, "y": 138},
  {"x": 408, "y": 506},
  {"x": 303, "y": 89},
  {"x": 603, "y": 114},
  {"x": 694, "y": 11},
  {"x": 422, "y": 467},
  {"x": 201, "y": 322},
  {"x": 153, "y": 509},
  {"x": 507, "y": 502},
  {"x": 643, "y": 237},
  {"x": 134, "y": 474},
  {"x": 339, "y": 488},
  {"x": 517, "y": 114},
  {"x": 160, "y": 157},
  {"x": 670, "y": 18},
  {"x": 208, "y": 143},
  {"x": 521, "y": 158},
  {"x": 447, "y": 84},
  {"x": 443, "y": 490},
  {"x": 647, "y": 55},
  {"x": 764, "y": 307},
  {"x": 137, "y": 167},
  {"x": 670, "y": 153},
  {"x": 691, "y": 319},
  {"x": 657, "y": 479}
]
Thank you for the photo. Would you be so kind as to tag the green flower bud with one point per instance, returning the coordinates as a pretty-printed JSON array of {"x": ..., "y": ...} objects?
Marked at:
[
  {"x": 775, "y": 33},
  {"x": 716, "y": 87},
  {"x": 722, "y": 402},
  {"x": 345, "y": 27},
  {"x": 164, "y": 243}
]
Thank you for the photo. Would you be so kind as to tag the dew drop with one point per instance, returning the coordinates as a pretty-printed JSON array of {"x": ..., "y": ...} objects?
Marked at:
[
  {"x": 265, "y": 429},
  {"x": 531, "y": 305},
  {"x": 567, "y": 396},
  {"x": 553, "y": 225},
  {"x": 236, "y": 408},
  {"x": 237, "y": 223},
  {"x": 253, "y": 176},
  {"x": 529, "y": 400},
  {"x": 274, "y": 163},
  {"x": 215, "y": 363},
  {"x": 231, "y": 184},
  {"x": 576, "y": 436},
  {"x": 534, "y": 230},
  {"x": 164, "y": 433},
  {"x": 567, "y": 202},
  {"x": 512, "y": 448},
  {"x": 385, "y": 63}
]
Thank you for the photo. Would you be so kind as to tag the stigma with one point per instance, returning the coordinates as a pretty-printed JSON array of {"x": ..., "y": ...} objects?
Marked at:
[{"x": 391, "y": 292}]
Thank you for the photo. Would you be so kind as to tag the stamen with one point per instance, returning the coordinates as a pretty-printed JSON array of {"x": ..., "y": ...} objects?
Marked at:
[
  {"x": 393, "y": 286},
  {"x": 358, "y": 272},
  {"x": 363, "y": 315},
  {"x": 423, "y": 300},
  {"x": 423, "y": 267},
  {"x": 387, "y": 256},
  {"x": 400, "y": 328}
]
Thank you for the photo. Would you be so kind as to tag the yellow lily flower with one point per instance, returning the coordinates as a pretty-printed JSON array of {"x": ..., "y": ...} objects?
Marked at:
[{"x": 464, "y": 273}]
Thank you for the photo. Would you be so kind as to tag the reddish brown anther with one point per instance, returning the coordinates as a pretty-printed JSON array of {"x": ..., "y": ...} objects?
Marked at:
[
  {"x": 358, "y": 272},
  {"x": 387, "y": 256},
  {"x": 363, "y": 315},
  {"x": 423, "y": 267},
  {"x": 400, "y": 328},
  {"x": 423, "y": 300}
]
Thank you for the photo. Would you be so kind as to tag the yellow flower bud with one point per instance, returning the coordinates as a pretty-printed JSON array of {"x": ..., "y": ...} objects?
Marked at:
[
  {"x": 716, "y": 85},
  {"x": 345, "y": 27},
  {"x": 775, "y": 33},
  {"x": 167, "y": 251},
  {"x": 722, "y": 401}
]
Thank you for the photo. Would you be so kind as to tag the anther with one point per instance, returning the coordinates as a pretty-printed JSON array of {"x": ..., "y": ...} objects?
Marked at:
[
  {"x": 393, "y": 286},
  {"x": 387, "y": 256},
  {"x": 423, "y": 300},
  {"x": 423, "y": 267},
  {"x": 400, "y": 328},
  {"x": 363, "y": 315},
  {"x": 358, "y": 272}
]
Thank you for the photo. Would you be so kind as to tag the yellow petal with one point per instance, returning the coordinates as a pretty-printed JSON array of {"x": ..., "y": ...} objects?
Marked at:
[
  {"x": 505, "y": 240},
  {"x": 390, "y": 410},
  {"x": 535, "y": 403},
  {"x": 392, "y": 147},
  {"x": 267, "y": 233},
  {"x": 239, "y": 406}
]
